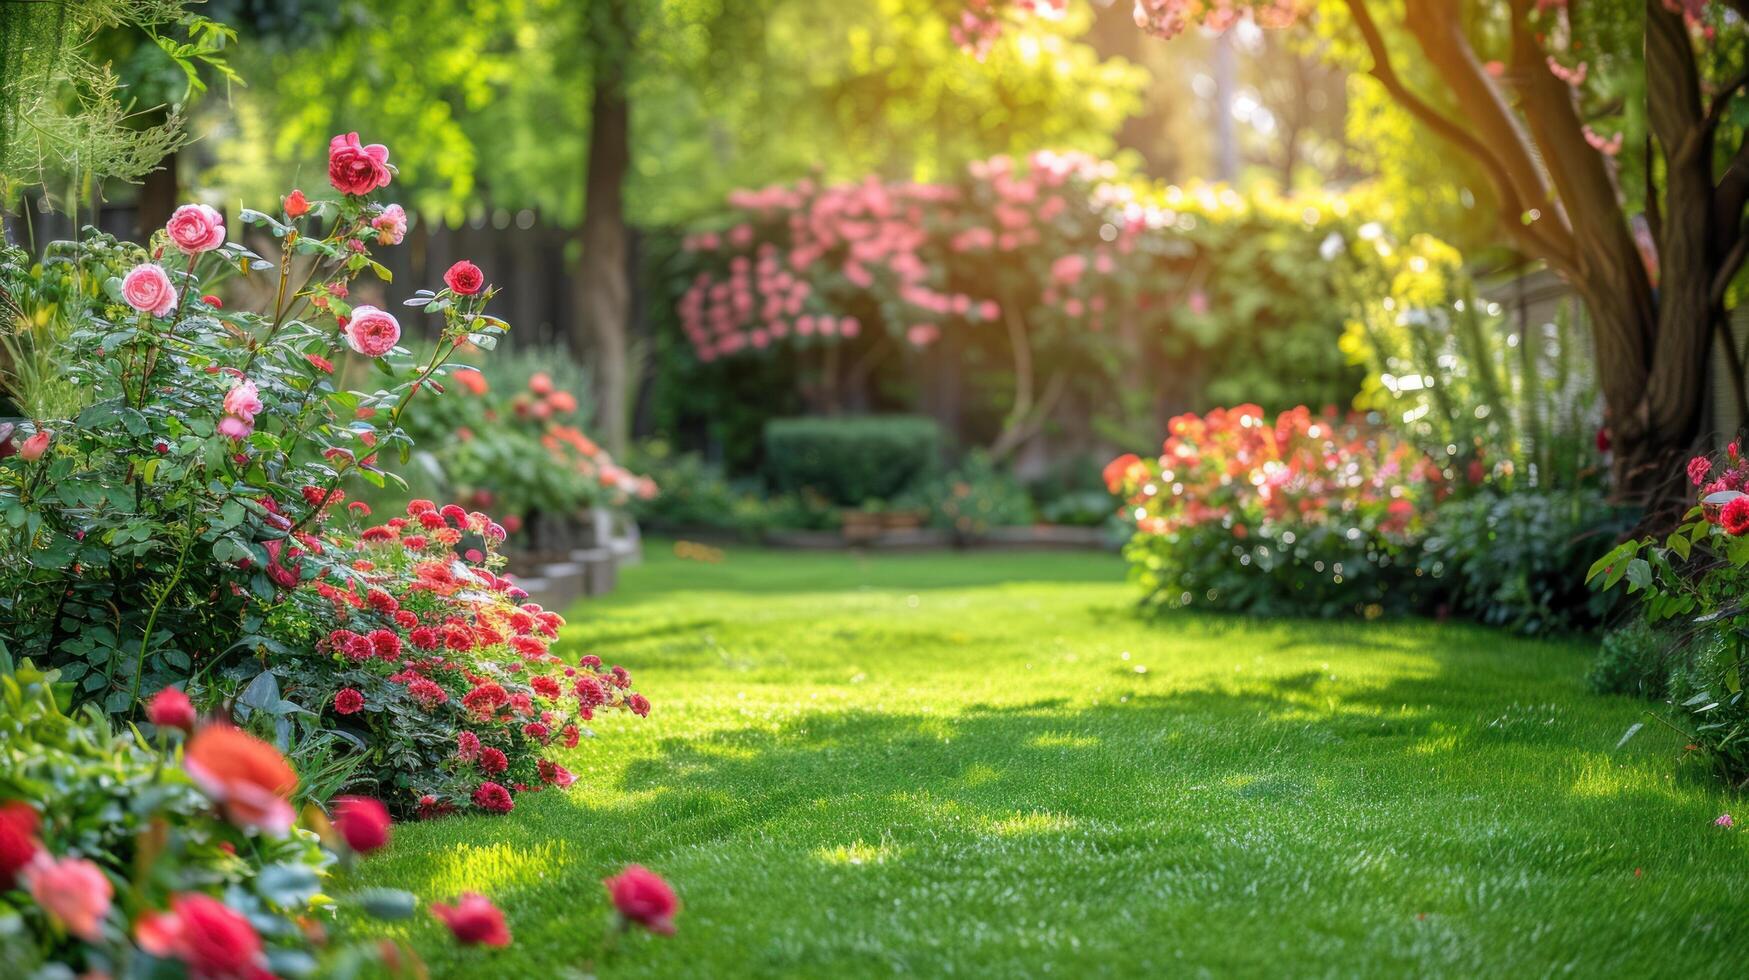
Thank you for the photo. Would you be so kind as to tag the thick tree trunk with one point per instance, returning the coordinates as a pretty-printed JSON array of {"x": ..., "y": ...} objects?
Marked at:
[{"x": 602, "y": 284}]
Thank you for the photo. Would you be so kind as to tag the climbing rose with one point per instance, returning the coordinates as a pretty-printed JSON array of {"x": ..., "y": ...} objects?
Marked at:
[
  {"x": 372, "y": 332},
  {"x": 1735, "y": 517},
  {"x": 641, "y": 896},
  {"x": 363, "y": 822},
  {"x": 247, "y": 777},
  {"x": 465, "y": 278},
  {"x": 474, "y": 920},
  {"x": 348, "y": 701},
  {"x": 18, "y": 821},
  {"x": 147, "y": 288},
  {"x": 214, "y": 941},
  {"x": 74, "y": 891},
  {"x": 171, "y": 708},
  {"x": 355, "y": 168}
]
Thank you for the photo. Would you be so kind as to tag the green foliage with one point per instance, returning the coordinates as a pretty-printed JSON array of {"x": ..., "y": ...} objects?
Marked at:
[
  {"x": 1632, "y": 660},
  {"x": 1518, "y": 559},
  {"x": 851, "y": 460},
  {"x": 695, "y": 494},
  {"x": 1515, "y": 404},
  {"x": 113, "y": 798},
  {"x": 65, "y": 111},
  {"x": 976, "y": 496}
]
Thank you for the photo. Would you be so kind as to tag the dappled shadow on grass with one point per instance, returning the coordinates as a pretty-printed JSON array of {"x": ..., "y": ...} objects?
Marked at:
[{"x": 833, "y": 842}]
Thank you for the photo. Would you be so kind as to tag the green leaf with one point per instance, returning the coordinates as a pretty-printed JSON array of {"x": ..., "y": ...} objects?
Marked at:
[{"x": 388, "y": 903}]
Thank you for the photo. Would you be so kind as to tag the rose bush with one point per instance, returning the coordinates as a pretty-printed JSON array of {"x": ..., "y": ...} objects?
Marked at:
[
  {"x": 1306, "y": 514},
  {"x": 119, "y": 859},
  {"x": 1689, "y": 584}
]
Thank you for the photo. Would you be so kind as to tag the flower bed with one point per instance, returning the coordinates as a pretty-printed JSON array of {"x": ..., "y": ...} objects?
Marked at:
[{"x": 1310, "y": 513}]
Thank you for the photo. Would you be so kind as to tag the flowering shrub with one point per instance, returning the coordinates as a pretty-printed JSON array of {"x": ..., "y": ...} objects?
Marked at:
[
  {"x": 1052, "y": 266},
  {"x": 1691, "y": 582},
  {"x": 1310, "y": 514},
  {"x": 431, "y": 659},
  {"x": 523, "y": 452},
  {"x": 114, "y": 860}
]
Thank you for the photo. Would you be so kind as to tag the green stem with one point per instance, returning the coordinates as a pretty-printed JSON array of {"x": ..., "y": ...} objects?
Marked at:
[{"x": 163, "y": 596}]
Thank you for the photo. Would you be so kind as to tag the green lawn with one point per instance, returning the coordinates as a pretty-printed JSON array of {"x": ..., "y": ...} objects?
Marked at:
[{"x": 987, "y": 764}]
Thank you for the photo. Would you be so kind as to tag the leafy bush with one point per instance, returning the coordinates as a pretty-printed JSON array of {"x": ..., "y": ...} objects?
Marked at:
[
  {"x": 1632, "y": 660},
  {"x": 106, "y": 836},
  {"x": 1311, "y": 515},
  {"x": 695, "y": 494},
  {"x": 851, "y": 461},
  {"x": 510, "y": 439},
  {"x": 1518, "y": 559},
  {"x": 974, "y": 498},
  {"x": 1690, "y": 584}
]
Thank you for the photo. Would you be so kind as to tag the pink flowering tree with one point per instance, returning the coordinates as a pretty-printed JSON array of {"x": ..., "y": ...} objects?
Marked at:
[
  {"x": 1052, "y": 269},
  {"x": 1543, "y": 96}
]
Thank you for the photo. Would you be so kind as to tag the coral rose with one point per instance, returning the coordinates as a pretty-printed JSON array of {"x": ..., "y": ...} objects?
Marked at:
[
  {"x": 196, "y": 228},
  {"x": 147, "y": 288},
  {"x": 34, "y": 447},
  {"x": 363, "y": 822},
  {"x": 372, "y": 332},
  {"x": 296, "y": 204},
  {"x": 171, "y": 708},
  {"x": 465, "y": 278},
  {"x": 641, "y": 896},
  {"x": 73, "y": 891},
  {"x": 246, "y": 777},
  {"x": 355, "y": 168},
  {"x": 474, "y": 920}
]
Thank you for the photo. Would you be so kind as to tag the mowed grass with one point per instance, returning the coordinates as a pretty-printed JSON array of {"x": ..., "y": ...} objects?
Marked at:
[{"x": 987, "y": 764}]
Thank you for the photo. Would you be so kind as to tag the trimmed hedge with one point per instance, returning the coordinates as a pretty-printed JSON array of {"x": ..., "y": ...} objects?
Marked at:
[{"x": 851, "y": 461}]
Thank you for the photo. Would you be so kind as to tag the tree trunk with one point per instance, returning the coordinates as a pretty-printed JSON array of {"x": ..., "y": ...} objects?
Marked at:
[
  {"x": 159, "y": 196},
  {"x": 602, "y": 284}
]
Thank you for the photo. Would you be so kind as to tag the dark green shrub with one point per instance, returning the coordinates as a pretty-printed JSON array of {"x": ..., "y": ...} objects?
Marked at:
[
  {"x": 850, "y": 461},
  {"x": 695, "y": 494},
  {"x": 974, "y": 498},
  {"x": 1518, "y": 560},
  {"x": 1632, "y": 661}
]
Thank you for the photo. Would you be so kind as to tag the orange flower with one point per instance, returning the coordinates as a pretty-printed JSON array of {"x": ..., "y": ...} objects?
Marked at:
[{"x": 246, "y": 777}]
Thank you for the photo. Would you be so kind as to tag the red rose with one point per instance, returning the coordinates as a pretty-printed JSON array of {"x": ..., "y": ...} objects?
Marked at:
[
  {"x": 213, "y": 940},
  {"x": 1734, "y": 518},
  {"x": 355, "y": 168},
  {"x": 493, "y": 797},
  {"x": 171, "y": 708},
  {"x": 363, "y": 822},
  {"x": 642, "y": 896},
  {"x": 474, "y": 920},
  {"x": 465, "y": 278},
  {"x": 348, "y": 701},
  {"x": 18, "y": 846}
]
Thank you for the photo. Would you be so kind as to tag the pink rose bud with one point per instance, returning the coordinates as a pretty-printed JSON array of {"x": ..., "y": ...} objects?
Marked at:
[{"x": 36, "y": 445}]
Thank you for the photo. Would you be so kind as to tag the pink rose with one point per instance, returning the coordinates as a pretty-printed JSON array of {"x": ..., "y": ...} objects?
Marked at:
[
  {"x": 196, "y": 228},
  {"x": 74, "y": 891},
  {"x": 354, "y": 168},
  {"x": 243, "y": 400},
  {"x": 372, "y": 332},
  {"x": 36, "y": 445},
  {"x": 233, "y": 427},
  {"x": 147, "y": 289},
  {"x": 391, "y": 225}
]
